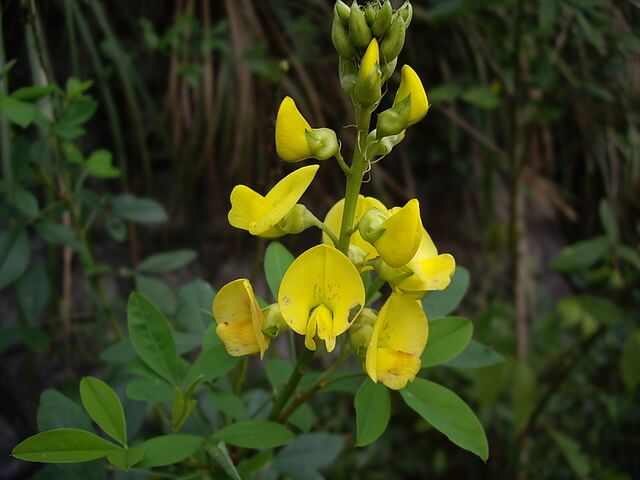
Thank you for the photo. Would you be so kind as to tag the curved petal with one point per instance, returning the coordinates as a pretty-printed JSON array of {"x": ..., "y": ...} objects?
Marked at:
[
  {"x": 370, "y": 60},
  {"x": 430, "y": 274},
  {"x": 239, "y": 319},
  {"x": 246, "y": 206},
  {"x": 291, "y": 127},
  {"x": 320, "y": 276},
  {"x": 410, "y": 84},
  {"x": 333, "y": 220},
  {"x": 397, "y": 342},
  {"x": 402, "y": 236}
]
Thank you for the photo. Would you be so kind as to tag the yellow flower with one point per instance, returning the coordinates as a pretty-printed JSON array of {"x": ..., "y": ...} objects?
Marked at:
[
  {"x": 333, "y": 220},
  {"x": 397, "y": 342},
  {"x": 239, "y": 319},
  {"x": 296, "y": 140},
  {"x": 395, "y": 234},
  {"x": 410, "y": 84},
  {"x": 429, "y": 271},
  {"x": 370, "y": 61},
  {"x": 367, "y": 90},
  {"x": 320, "y": 294},
  {"x": 259, "y": 215}
]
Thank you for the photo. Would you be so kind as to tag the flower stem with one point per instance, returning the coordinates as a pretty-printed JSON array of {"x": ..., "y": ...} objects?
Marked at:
[
  {"x": 292, "y": 383},
  {"x": 354, "y": 178}
]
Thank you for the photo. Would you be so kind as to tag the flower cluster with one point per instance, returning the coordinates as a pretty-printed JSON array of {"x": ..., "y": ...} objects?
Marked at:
[{"x": 322, "y": 295}]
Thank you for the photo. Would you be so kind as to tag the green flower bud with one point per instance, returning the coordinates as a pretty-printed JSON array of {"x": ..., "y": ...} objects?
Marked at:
[
  {"x": 394, "y": 120},
  {"x": 393, "y": 40},
  {"x": 368, "y": 88},
  {"x": 342, "y": 11},
  {"x": 340, "y": 39},
  {"x": 361, "y": 330},
  {"x": 370, "y": 12},
  {"x": 388, "y": 69},
  {"x": 348, "y": 73},
  {"x": 406, "y": 12},
  {"x": 273, "y": 321},
  {"x": 297, "y": 220},
  {"x": 383, "y": 146},
  {"x": 357, "y": 255},
  {"x": 382, "y": 21},
  {"x": 323, "y": 143},
  {"x": 358, "y": 29},
  {"x": 370, "y": 225}
]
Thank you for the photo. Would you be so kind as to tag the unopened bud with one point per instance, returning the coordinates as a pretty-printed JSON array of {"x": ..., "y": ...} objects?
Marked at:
[
  {"x": 406, "y": 12},
  {"x": 370, "y": 225},
  {"x": 393, "y": 40},
  {"x": 361, "y": 330},
  {"x": 383, "y": 146},
  {"x": 340, "y": 39},
  {"x": 370, "y": 12},
  {"x": 274, "y": 324},
  {"x": 388, "y": 69},
  {"x": 368, "y": 87},
  {"x": 342, "y": 11},
  {"x": 394, "y": 120},
  {"x": 323, "y": 143},
  {"x": 348, "y": 73},
  {"x": 357, "y": 255},
  {"x": 358, "y": 29},
  {"x": 382, "y": 21},
  {"x": 297, "y": 220}
]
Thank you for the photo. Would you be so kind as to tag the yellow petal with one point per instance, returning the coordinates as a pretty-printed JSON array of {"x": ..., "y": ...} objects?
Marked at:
[
  {"x": 291, "y": 126},
  {"x": 410, "y": 84},
  {"x": 239, "y": 319},
  {"x": 397, "y": 342},
  {"x": 430, "y": 274},
  {"x": 321, "y": 276},
  {"x": 257, "y": 214},
  {"x": 370, "y": 61},
  {"x": 333, "y": 220},
  {"x": 402, "y": 236}
]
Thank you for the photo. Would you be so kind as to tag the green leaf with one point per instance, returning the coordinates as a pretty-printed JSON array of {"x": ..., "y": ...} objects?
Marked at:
[
  {"x": 276, "y": 262},
  {"x": 57, "y": 234},
  {"x": 59, "y": 411},
  {"x": 630, "y": 360},
  {"x": 193, "y": 298},
  {"x": 221, "y": 455},
  {"x": 151, "y": 390},
  {"x": 302, "y": 418},
  {"x": 254, "y": 434},
  {"x": 152, "y": 337},
  {"x": 309, "y": 452},
  {"x": 444, "y": 93},
  {"x": 228, "y": 403},
  {"x": 212, "y": 364},
  {"x": 440, "y": 304},
  {"x": 608, "y": 220},
  {"x": 448, "y": 414},
  {"x": 93, "y": 470},
  {"x": 448, "y": 337},
  {"x": 476, "y": 355},
  {"x": 139, "y": 210},
  {"x": 581, "y": 255},
  {"x": 75, "y": 87},
  {"x": 630, "y": 255},
  {"x": 125, "y": 458},
  {"x": 99, "y": 165},
  {"x": 26, "y": 203},
  {"x": 157, "y": 292},
  {"x": 524, "y": 394},
  {"x": 373, "y": 410},
  {"x": 116, "y": 228},
  {"x": 63, "y": 445},
  {"x": 165, "y": 262},
  {"x": 32, "y": 92},
  {"x": 571, "y": 451},
  {"x": 104, "y": 407},
  {"x": 169, "y": 449},
  {"x": 35, "y": 338},
  {"x": 15, "y": 254},
  {"x": 181, "y": 407},
  {"x": 69, "y": 126},
  {"x": 18, "y": 112},
  {"x": 278, "y": 370},
  {"x": 588, "y": 312},
  {"x": 33, "y": 291},
  {"x": 482, "y": 97}
]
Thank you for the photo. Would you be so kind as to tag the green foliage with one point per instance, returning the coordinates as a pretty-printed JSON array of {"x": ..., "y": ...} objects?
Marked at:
[
  {"x": 373, "y": 410},
  {"x": 448, "y": 337},
  {"x": 63, "y": 445},
  {"x": 104, "y": 407},
  {"x": 254, "y": 434},
  {"x": 276, "y": 261}
]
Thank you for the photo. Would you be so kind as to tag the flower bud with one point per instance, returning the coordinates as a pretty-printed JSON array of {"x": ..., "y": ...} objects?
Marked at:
[
  {"x": 358, "y": 29},
  {"x": 370, "y": 12},
  {"x": 394, "y": 120},
  {"x": 368, "y": 88},
  {"x": 323, "y": 143},
  {"x": 388, "y": 69},
  {"x": 360, "y": 332},
  {"x": 342, "y": 11},
  {"x": 340, "y": 39},
  {"x": 348, "y": 73},
  {"x": 411, "y": 87},
  {"x": 406, "y": 12},
  {"x": 382, "y": 21},
  {"x": 370, "y": 225},
  {"x": 357, "y": 255},
  {"x": 297, "y": 220},
  {"x": 384, "y": 145},
  {"x": 273, "y": 321},
  {"x": 393, "y": 40}
]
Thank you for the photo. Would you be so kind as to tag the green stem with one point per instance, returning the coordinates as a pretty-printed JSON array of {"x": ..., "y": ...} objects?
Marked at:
[
  {"x": 343, "y": 165},
  {"x": 354, "y": 178},
  {"x": 292, "y": 383}
]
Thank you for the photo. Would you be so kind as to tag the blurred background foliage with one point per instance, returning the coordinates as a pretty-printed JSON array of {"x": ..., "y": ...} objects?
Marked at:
[{"x": 124, "y": 126}]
